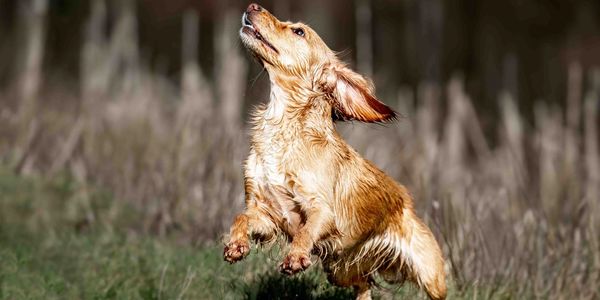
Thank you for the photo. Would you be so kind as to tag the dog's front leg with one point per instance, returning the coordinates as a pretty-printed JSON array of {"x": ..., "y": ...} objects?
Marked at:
[
  {"x": 252, "y": 222},
  {"x": 238, "y": 246},
  {"x": 318, "y": 223},
  {"x": 249, "y": 223}
]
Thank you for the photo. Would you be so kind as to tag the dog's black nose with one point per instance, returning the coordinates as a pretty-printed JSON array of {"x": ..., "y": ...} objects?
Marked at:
[{"x": 253, "y": 7}]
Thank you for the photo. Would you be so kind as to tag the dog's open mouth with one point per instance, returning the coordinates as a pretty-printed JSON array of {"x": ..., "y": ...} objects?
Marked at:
[{"x": 249, "y": 29}]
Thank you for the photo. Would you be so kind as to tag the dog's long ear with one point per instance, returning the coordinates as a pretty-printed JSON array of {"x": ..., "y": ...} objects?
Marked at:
[{"x": 353, "y": 96}]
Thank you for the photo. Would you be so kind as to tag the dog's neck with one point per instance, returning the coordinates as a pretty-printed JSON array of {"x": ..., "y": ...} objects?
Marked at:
[
  {"x": 278, "y": 102},
  {"x": 292, "y": 100},
  {"x": 294, "y": 114}
]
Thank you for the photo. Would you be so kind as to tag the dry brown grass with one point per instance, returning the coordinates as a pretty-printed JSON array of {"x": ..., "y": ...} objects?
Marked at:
[{"x": 517, "y": 218}]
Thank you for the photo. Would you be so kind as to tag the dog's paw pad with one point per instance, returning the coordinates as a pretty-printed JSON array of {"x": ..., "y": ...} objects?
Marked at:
[
  {"x": 294, "y": 263},
  {"x": 236, "y": 251}
]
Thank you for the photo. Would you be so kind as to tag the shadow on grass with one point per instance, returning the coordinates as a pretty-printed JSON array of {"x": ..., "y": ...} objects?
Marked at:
[{"x": 305, "y": 286}]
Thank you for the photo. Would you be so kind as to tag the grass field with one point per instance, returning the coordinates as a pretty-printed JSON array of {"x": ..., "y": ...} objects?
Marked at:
[{"x": 47, "y": 252}]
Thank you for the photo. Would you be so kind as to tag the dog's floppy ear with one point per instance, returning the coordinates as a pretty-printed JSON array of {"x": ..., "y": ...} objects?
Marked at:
[{"x": 352, "y": 96}]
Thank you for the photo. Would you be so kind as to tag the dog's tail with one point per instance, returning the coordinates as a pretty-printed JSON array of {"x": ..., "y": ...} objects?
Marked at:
[{"x": 418, "y": 257}]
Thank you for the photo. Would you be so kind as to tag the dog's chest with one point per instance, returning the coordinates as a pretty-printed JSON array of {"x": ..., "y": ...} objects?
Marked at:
[
  {"x": 266, "y": 163},
  {"x": 269, "y": 169},
  {"x": 272, "y": 156}
]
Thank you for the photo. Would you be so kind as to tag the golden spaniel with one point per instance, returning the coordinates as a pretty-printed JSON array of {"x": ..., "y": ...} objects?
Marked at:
[{"x": 304, "y": 182}]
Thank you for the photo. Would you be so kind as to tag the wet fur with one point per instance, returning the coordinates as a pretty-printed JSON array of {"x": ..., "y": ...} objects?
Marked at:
[{"x": 305, "y": 183}]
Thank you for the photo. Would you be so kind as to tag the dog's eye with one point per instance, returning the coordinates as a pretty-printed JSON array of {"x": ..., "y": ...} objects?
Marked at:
[{"x": 298, "y": 31}]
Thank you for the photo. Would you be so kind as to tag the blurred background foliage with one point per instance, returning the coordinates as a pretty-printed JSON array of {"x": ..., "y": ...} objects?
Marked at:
[
  {"x": 123, "y": 122},
  {"x": 523, "y": 47}
]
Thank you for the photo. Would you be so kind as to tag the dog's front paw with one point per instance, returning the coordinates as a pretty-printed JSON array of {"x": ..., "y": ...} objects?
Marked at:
[
  {"x": 294, "y": 263},
  {"x": 236, "y": 251}
]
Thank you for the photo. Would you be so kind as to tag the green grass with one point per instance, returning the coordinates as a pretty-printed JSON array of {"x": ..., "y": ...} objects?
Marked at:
[
  {"x": 60, "y": 240},
  {"x": 115, "y": 267},
  {"x": 49, "y": 249}
]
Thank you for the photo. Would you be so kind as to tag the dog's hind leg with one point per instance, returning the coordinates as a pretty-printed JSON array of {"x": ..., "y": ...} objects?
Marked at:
[
  {"x": 342, "y": 275},
  {"x": 363, "y": 292},
  {"x": 423, "y": 258}
]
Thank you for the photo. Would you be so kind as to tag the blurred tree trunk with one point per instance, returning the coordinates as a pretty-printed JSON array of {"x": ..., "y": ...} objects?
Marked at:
[
  {"x": 231, "y": 69},
  {"x": 196, "y": 91},
  {"x": 592, "y": 153},
  {"x": 33, "y": 16},
  {"x": 124, "y": 45},
  {"x": 430, "y": 22},
  {"x": 364, "y": 41},
  {"x": 95, "y": 77},
  {"x": 94, "y": 71}
]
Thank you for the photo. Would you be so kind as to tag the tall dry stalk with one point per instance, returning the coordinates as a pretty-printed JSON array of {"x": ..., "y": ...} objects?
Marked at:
[
  {"x": 33, "y": 16},
  {"x": 592, "y": 154}
]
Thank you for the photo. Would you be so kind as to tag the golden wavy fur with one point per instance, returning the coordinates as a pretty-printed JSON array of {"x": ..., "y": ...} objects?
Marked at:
[{"x": 304, "y": 182}]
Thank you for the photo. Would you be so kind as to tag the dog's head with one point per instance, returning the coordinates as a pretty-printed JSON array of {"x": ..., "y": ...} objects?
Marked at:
[{"x": 295, "y": 52}]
